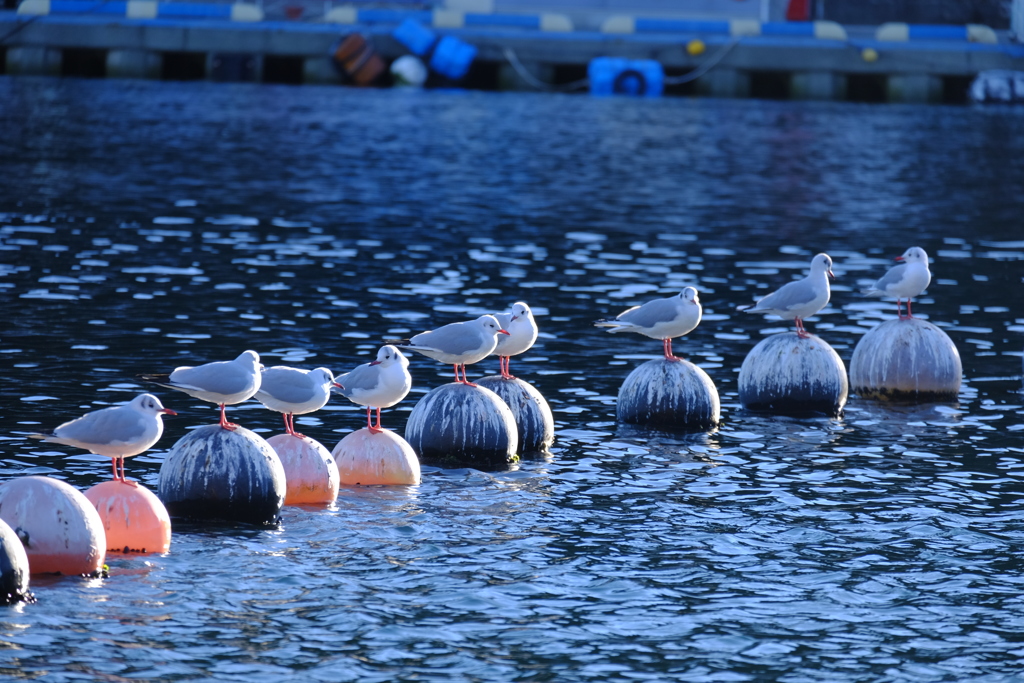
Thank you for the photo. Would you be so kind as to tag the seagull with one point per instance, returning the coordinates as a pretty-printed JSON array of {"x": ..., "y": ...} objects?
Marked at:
[
  {"x": 460, "y": 344},
  {"x": 292, "y": 392},
  {"x": 662, "y": 319},
  {"x": 522, "y": 333},
  {"x": 118, "y": 432},
  {"x": 224, "y": 382},
  {"x": 381, "y": 383},
  {"x": 800, "y": 299},
  {"x": 905, "y": 280}
]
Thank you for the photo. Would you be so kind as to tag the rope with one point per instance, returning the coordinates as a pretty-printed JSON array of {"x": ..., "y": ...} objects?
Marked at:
[{"x": 535, "y": 82}]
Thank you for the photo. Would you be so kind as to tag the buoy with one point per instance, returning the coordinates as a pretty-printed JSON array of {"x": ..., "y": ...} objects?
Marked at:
[
  {"x": 59, "y": 527},
  {"x": 458, "y": 425},
  {"x": 665, "y": 394},
  {"x": 13, "y": 568},
  {"x": 369, "y": 458},
  {"x": 535, "y": 426},
  {"x": 410, "y": 71},
  {"x": 215, "y": 473},
  {"x": 787, "y": 375},
  {"x": 310, "y": 471},
  {"x": 869, "y": 54},
  {"x": 134, "y": 519},
  {"x": 906, "y": 360},
  {"x": 695, "y": 47}
]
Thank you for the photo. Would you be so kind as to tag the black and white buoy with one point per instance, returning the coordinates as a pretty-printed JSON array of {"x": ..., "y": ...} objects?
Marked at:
[
  {"x": 13, "y": 567},
  {"x": 909, "y": 359},
  {"x": 459, "y": 425},
  {"x": 216, "y": 473},
  {"x": 535, "y": 426},
  {"x": 792, "y": 375},
  {"x": 675, "y": 395}
]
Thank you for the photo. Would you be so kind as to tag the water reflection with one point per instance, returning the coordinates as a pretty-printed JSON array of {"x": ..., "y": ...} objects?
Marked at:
[{"x": 311, "y": 224}]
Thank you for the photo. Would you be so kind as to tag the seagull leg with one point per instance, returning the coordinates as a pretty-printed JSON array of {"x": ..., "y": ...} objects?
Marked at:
[
  {"x": 291, "y": 427},
  {"x": 375, "y": 429},
  {"x": 800, "y": 331},
  {"x": 669, "y": 356},
  {"x": 465, "y": 380},
  {"x": 909, "y": 314},
  {"x": 113, "y": 463},
  {"x": 123, "y": 479},
  {"x": 505, "y": 362},
  {"x": 230, "y": 426},
  {"x": 457, "y": 374}
]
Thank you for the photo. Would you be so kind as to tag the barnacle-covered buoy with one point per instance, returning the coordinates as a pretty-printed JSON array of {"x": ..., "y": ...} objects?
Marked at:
[
  {"x": 908, "y": 359},
  {"x": 791, "y": 375},
  {"x": 665, "y": 394},
  {"x": 216, "y": 473},
  {"x": 535, "y": 425},
  {"x": 458, "y": 425}
]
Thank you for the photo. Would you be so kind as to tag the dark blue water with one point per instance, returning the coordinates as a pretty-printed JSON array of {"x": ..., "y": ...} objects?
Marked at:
[{"x": 149, "y": 225}]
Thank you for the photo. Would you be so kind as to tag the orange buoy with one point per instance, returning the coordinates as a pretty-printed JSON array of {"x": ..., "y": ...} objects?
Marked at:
[
  {"x": 370, "y": 458},
  {"x": 134, "y": 519},
  {"x": 309, "y": 470},
  {"x": 60, "y": 528}
]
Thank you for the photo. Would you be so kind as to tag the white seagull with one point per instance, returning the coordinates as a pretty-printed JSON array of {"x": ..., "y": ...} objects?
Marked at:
[
  {"x": 905, "y": 280},
  {"x": 662, "y": 319},
  {"x": 800, "y": 299},
  {"x": 292, "y": 392},
  {"x": 381, "y": 383},
  {"x": 118, "y": 432},
  {"x": 522, "y": 333},
  {"x": 459, "y": 344},
  {"x": 224, "y": 382}
]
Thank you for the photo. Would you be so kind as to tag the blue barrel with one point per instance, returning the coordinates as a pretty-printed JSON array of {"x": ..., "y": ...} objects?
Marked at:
[
  {"x": 416, "y": 37},
  {"x": 452, "y": 58},
  {"x": 620, "y": 76}
]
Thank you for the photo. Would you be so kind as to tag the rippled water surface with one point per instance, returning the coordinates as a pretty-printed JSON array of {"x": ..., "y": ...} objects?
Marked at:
[{"x": 149, "y": 225}]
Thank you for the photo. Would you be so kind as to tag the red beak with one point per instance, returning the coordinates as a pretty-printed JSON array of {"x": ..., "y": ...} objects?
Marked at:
[
  {"x": 504, "y": 332},
  {"x": 830, "y": 274},
  {"x": 515, "y": 317},
  {"x": 899, "y": 258},
  {"x": 337, "y": 385},
  {"x": 374, "y": 362},
  {"x": 168, "y": 411}
]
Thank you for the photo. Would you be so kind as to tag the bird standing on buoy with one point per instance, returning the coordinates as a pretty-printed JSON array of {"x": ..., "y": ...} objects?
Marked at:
[
  {"x": 800, "y": 299},
  {"x": 907, "y": 279},
  {"x": 381, "y": 383},
  {"x": 118, "y": 432},
  {"x": 224, "y": 382},
  {"x": 293, "y": 391},
  {"x": 458, "y": 344},
  {"x": 522, "y": 333},
  {"x": 662, "y": 319}
]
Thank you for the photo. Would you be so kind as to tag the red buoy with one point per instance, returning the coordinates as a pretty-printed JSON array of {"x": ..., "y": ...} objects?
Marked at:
[
  {"x": 134, "y": 519},
  {"x": 309, "y": 470}
]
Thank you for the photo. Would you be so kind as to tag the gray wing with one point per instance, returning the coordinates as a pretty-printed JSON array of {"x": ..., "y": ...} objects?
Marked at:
[
  {"x": 651, "y": 313},
  {"x": 892, "y": 277},
  {"x": 363, "y": 378},
  {"x": 456, "y": 338},
  {"x": 224, "y": 377},
  {"x": 104, "y": 427},
  {"x": 287, "y": 385},
  {"x": 788, "y": 296}
]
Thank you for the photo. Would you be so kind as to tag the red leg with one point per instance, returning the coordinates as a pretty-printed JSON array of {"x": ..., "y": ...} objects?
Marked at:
[
  {"x": 113, "y": 463},
  {"x": 224, "y": 419},
  {"x": 125, "y": 479},
  {"x": 909, "y": 314},
  {"x": 457, "y": 374},
  {"x": 291, "y": 423},
  {"x": 800, "y": 331},
  {"x": 669, "y": 355},
  {"x": 376, "y": 429},
  {"x": 465, "y": 380}
]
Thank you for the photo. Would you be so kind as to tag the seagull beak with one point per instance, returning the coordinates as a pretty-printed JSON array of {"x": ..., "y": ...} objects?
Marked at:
[
  {"x": 168, "y": 411},
  {"x": 504, "y": 332},
  {"x": 337, "y": 385},
  {"x": 831, "y": 274},
  {"x": 900, "y": 258},
  {"x": 374, "y": 362},
  {"x": 515, "y": 317}
]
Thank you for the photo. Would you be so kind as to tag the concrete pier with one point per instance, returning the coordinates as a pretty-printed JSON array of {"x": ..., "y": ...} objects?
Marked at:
[{"x": 819, "y": 60}]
